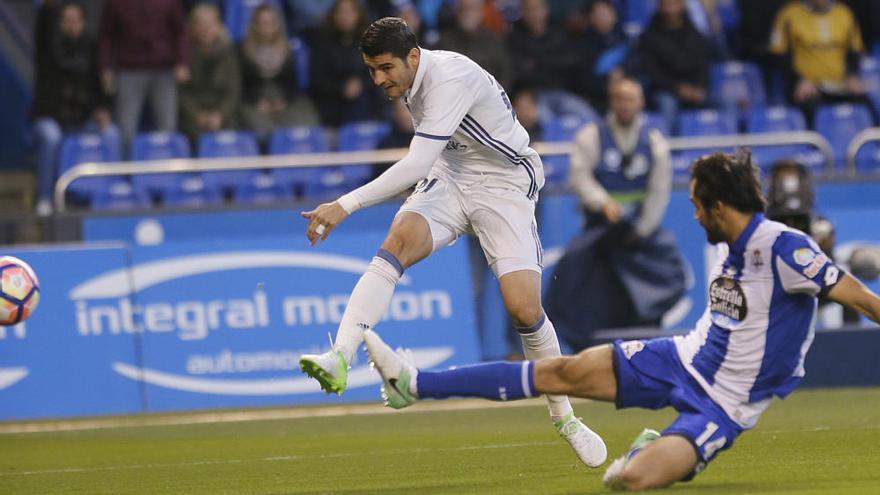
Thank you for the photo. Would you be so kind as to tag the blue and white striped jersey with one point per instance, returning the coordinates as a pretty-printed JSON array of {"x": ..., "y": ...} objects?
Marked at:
[
  {"x": 759, "y": 322},
  {"x": 453, "y": 99}
]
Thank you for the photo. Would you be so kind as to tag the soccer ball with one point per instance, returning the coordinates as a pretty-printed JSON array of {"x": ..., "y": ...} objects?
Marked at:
[{"x": 19, "y": 290}]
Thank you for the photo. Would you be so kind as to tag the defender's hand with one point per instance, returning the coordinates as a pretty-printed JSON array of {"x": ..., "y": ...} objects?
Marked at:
[{"x": 322, "y": 220}]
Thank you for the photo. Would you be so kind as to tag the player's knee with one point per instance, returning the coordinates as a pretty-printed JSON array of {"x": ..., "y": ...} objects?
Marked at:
[
  {"x": 637, "y": 479},
  {"x": 526, "y": 315}
]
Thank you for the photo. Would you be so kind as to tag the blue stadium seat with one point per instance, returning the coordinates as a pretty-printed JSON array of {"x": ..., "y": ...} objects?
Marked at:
[
  {"x": 301, "y": 59},
  {"x": 728, "y": 11},
  {"x": 82, "y": 148},
  {"x": 223, "y": 144},
  {"x": 736, "y": 85},
  {"x": 238, "y": 15},
  {"x": 870, "y": 72},
  {"x": 637, "y": 14},
  {"x": 192, "y": 192},
  {"x": 302, "y": 139},
  {"x": 700, "y": 123},
  {"x": 778, "y": 119},
  {"x": 839, "y": 123},
  {"x": 354, "y": 136},
  {"x": 120, "y": 196},
  {"x": 157, "y": 146},
  {"x": 655, "y": 120},
  {"x": 261, "y": 188},
  {"x": 561, "y": 129}
]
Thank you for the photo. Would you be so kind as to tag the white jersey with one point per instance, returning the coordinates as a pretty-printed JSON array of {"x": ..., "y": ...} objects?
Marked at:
[
  {"x": 455, "y": 101},
  {"x": 751, "y": 342}
]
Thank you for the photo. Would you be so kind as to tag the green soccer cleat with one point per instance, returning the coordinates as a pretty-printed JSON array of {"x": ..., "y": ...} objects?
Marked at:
[
  {"x": 587, "y": 444},
  {"x": 615, "y": 470},
  {"x": 397, "y": 371},
  {"x": 329, "y": 368}
]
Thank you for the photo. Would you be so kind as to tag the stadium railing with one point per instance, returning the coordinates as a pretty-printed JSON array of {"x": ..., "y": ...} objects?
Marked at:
[
  {"x": 391, "y": 155},
  {"x": 858, "y": 141}
]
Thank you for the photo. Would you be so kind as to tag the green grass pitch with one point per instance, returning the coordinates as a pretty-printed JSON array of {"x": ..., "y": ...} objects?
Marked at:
[{"x": 816, "y": 441}]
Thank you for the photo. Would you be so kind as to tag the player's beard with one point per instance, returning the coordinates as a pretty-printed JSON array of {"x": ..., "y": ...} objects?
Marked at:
[{"x": 713, "y": 233}]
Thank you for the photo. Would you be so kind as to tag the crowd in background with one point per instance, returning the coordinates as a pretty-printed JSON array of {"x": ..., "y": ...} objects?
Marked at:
[{"x": 181, "y": 61}]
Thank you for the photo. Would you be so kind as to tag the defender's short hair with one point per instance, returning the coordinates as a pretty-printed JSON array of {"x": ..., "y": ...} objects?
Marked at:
[
  {"x": 388, "y": 35},
  {"x": 729, "y": 178}
]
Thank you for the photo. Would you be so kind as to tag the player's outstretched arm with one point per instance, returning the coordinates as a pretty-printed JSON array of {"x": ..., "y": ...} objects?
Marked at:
[
  {"x": 322, "y": 220},
  {"x": 853, "y": 293}
]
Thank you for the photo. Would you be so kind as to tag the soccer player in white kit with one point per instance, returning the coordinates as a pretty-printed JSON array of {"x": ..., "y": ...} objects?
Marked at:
[
  {"x": 748, "y": 347},
  {"x": 475, "y": 174}
]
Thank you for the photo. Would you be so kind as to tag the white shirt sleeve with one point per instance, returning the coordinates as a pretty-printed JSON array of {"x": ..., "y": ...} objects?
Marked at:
[
  {"x": 444, "y": 106},
  {"x": 659, "y": 186},
  {"x": 413, "y": 167}
]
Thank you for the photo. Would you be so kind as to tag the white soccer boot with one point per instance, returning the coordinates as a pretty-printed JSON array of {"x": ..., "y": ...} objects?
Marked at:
[
  {"x": 395, "y": 367},
  {"x": 587, "y": 444}
]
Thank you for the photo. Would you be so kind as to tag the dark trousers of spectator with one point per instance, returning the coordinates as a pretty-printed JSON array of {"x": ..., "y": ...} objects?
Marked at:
[
  {"x": 809, "y": 107},
  {"x": 133, "y": 88}
]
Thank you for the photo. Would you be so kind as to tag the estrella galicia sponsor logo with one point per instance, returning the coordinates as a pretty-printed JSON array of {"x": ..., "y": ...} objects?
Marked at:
[
  {"x": 727, "y": 301},
  {"x": 152, "y": 298}
]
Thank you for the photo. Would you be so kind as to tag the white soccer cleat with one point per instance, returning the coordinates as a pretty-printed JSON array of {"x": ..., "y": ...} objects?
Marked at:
[
  {"x": 611, "y": 479},
  {"x": 396, "y": 368},
  {"x": 329, "y": 368},
  {"x": 587, "y": 444}
]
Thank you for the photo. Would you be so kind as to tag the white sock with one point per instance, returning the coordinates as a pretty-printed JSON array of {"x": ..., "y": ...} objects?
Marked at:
[
  {"x": 368, "y": 302},
  {"x": 539, "y": 341}
]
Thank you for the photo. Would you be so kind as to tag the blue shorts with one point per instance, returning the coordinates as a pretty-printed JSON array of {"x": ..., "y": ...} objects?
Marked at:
[{"x": 650, "y": 375}]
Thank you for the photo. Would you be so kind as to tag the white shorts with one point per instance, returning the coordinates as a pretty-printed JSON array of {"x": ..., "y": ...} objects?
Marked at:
[{"x": 502, "y": 218}]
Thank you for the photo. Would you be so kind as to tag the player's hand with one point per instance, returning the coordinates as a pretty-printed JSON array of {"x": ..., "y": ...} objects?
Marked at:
[
  {"x": 322, "y": 220},
  {"x": 805, "y": 90},
  {"x": 612, "y": 211}
]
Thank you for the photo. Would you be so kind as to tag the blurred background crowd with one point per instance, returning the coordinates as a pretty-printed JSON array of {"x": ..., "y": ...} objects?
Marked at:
[{"x": 137, "y": 79}]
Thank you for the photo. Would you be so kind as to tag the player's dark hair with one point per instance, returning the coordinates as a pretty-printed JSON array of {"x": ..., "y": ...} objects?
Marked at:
[
  {"x": 388, "y": 35},
  {"x": 729, "y": 178}
]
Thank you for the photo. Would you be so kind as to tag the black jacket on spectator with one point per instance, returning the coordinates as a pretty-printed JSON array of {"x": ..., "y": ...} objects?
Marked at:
[
  {"x": 669, "y": 57},
  {"x": 336, "y": 59},
  {"x": 68, "y": 87},
  {"x": 756, "y": 22},
  {"x": 254, "y": 86},
  {"x": 590, "y": 47},
  {"x": 484, "y": 47},
  {"x": 544, "y": 62}
]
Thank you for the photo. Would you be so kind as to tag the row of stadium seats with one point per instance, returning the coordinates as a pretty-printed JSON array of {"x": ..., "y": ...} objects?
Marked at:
[
  {"x": 190, "y": 188},
  {"x": 837, "y": 123}
]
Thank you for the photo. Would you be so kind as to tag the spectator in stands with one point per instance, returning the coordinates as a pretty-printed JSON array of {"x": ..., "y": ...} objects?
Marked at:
[
  {"x": 822, "y": 48},
  {"x": 756, "y": 23},
  {"x": 603, "y": 51},
  {"x": 209, "y": 100},
  {"x": 340, "y": 86},
  {"x": 307, "y": 15},
  {"x": 525, "y": 104},
  {"x": 67, "y": 91},
  {"x": 270, "y": 95},
  {"x": 544, "y": 56},
  {"x": 675, "y": 58},
  {"x": 469, "y": 37},
  {"x": 623, "y": 269},
  {"x": 142, "y": 52}
]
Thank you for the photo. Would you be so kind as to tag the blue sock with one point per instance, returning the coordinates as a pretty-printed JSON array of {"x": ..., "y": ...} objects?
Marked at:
[{"x": 499, "y": 380}]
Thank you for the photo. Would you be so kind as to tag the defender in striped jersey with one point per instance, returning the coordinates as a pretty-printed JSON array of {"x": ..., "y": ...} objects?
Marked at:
[
  {"x": 748, "y": 347},
  {"x": 475, "y": 174}
]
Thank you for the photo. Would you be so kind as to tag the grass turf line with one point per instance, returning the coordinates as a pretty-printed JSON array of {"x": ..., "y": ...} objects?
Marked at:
[{"x": 816, "y": 441}]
